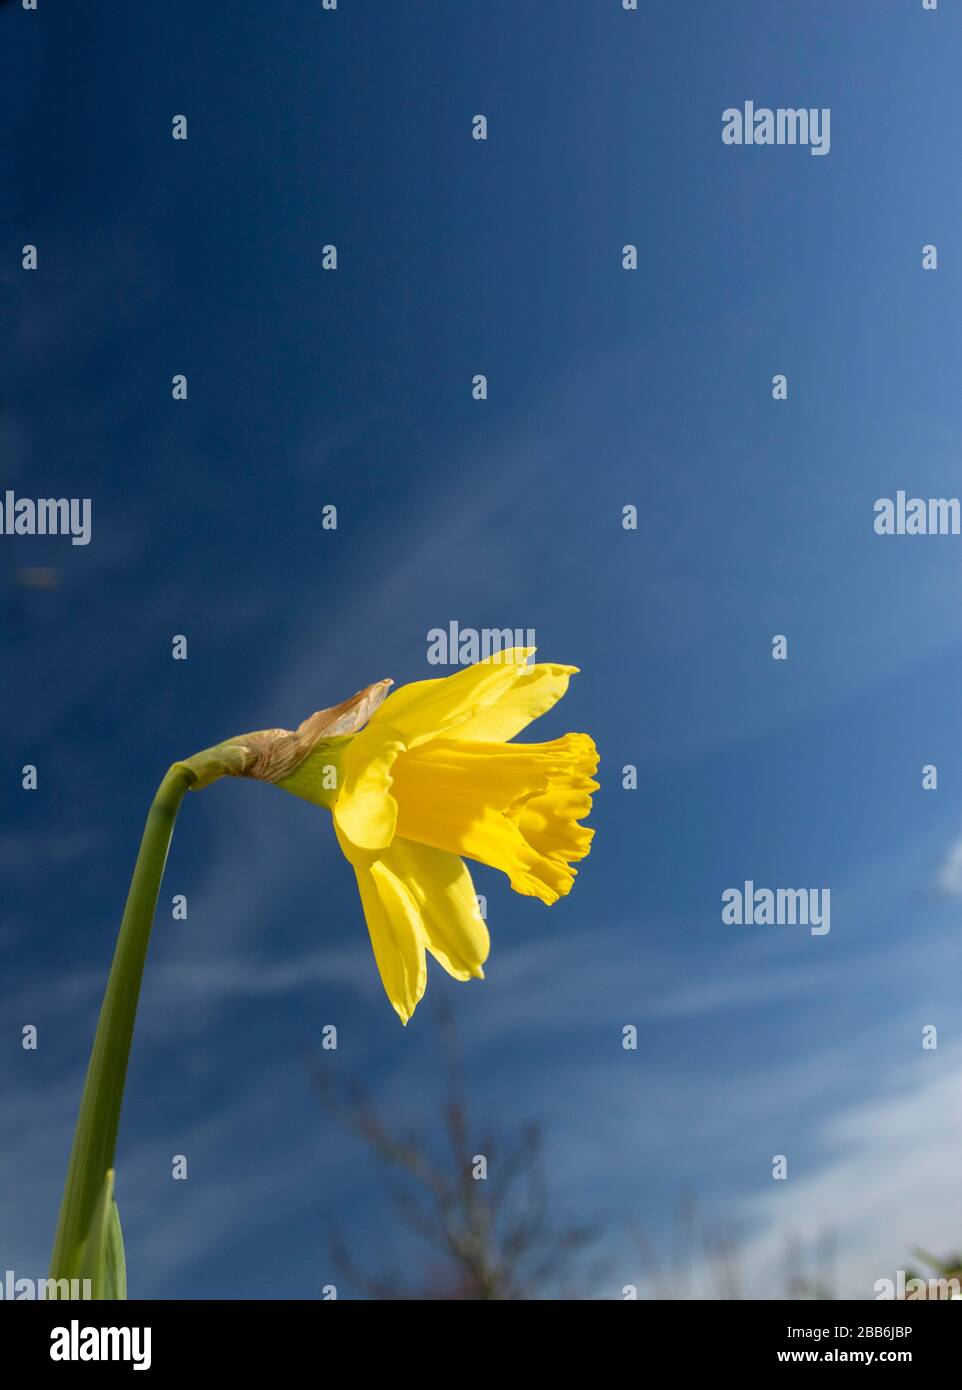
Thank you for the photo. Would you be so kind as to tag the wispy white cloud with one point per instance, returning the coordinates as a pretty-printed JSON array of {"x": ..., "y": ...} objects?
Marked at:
[
  {"x": 949, "y": 876},
  {"x": 890, "y": 1186}
]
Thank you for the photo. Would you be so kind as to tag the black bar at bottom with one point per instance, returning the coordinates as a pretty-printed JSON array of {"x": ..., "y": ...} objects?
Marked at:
[{"x": 159, "y": 1338}]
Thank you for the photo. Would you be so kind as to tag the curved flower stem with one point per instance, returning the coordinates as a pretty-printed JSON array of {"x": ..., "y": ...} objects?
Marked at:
[{"x": 95, "y": 1137}]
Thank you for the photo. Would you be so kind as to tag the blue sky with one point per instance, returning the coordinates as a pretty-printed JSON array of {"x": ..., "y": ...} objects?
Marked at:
[{"x": 606, "y": 388}]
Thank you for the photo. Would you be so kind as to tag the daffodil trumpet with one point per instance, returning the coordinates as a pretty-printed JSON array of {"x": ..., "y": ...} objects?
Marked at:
[{"x": 417, "y": 781}]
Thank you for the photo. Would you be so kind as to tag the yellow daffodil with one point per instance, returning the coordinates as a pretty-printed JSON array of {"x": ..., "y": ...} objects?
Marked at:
[{"x": 431, "y": 779}]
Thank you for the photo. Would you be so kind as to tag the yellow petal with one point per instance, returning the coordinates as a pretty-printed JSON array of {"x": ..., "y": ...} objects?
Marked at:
[
  {"x": 365, "y": 812},
  {"x": 426, "y": 709},
  {"x": 535, "y": 691},
  {"x": 513, "y": 806},
  {"x": 394, "y": 924},
  {"x": 550, "y": 824},
  {"x": 441, "y": 886}
]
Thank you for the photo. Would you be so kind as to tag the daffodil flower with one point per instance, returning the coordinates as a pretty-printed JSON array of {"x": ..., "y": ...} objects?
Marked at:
[
  {"x": 420, "y": 780},
  {"x": 417, "y": 781},
  {"x": 433, "y": 779}
]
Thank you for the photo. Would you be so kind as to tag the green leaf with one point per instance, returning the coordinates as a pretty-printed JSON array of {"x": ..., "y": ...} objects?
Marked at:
[{"x": 102, "y": 1261}]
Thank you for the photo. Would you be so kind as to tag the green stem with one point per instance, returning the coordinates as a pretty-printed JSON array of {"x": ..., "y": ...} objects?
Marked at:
[{"x": 95, "y": 1137}]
